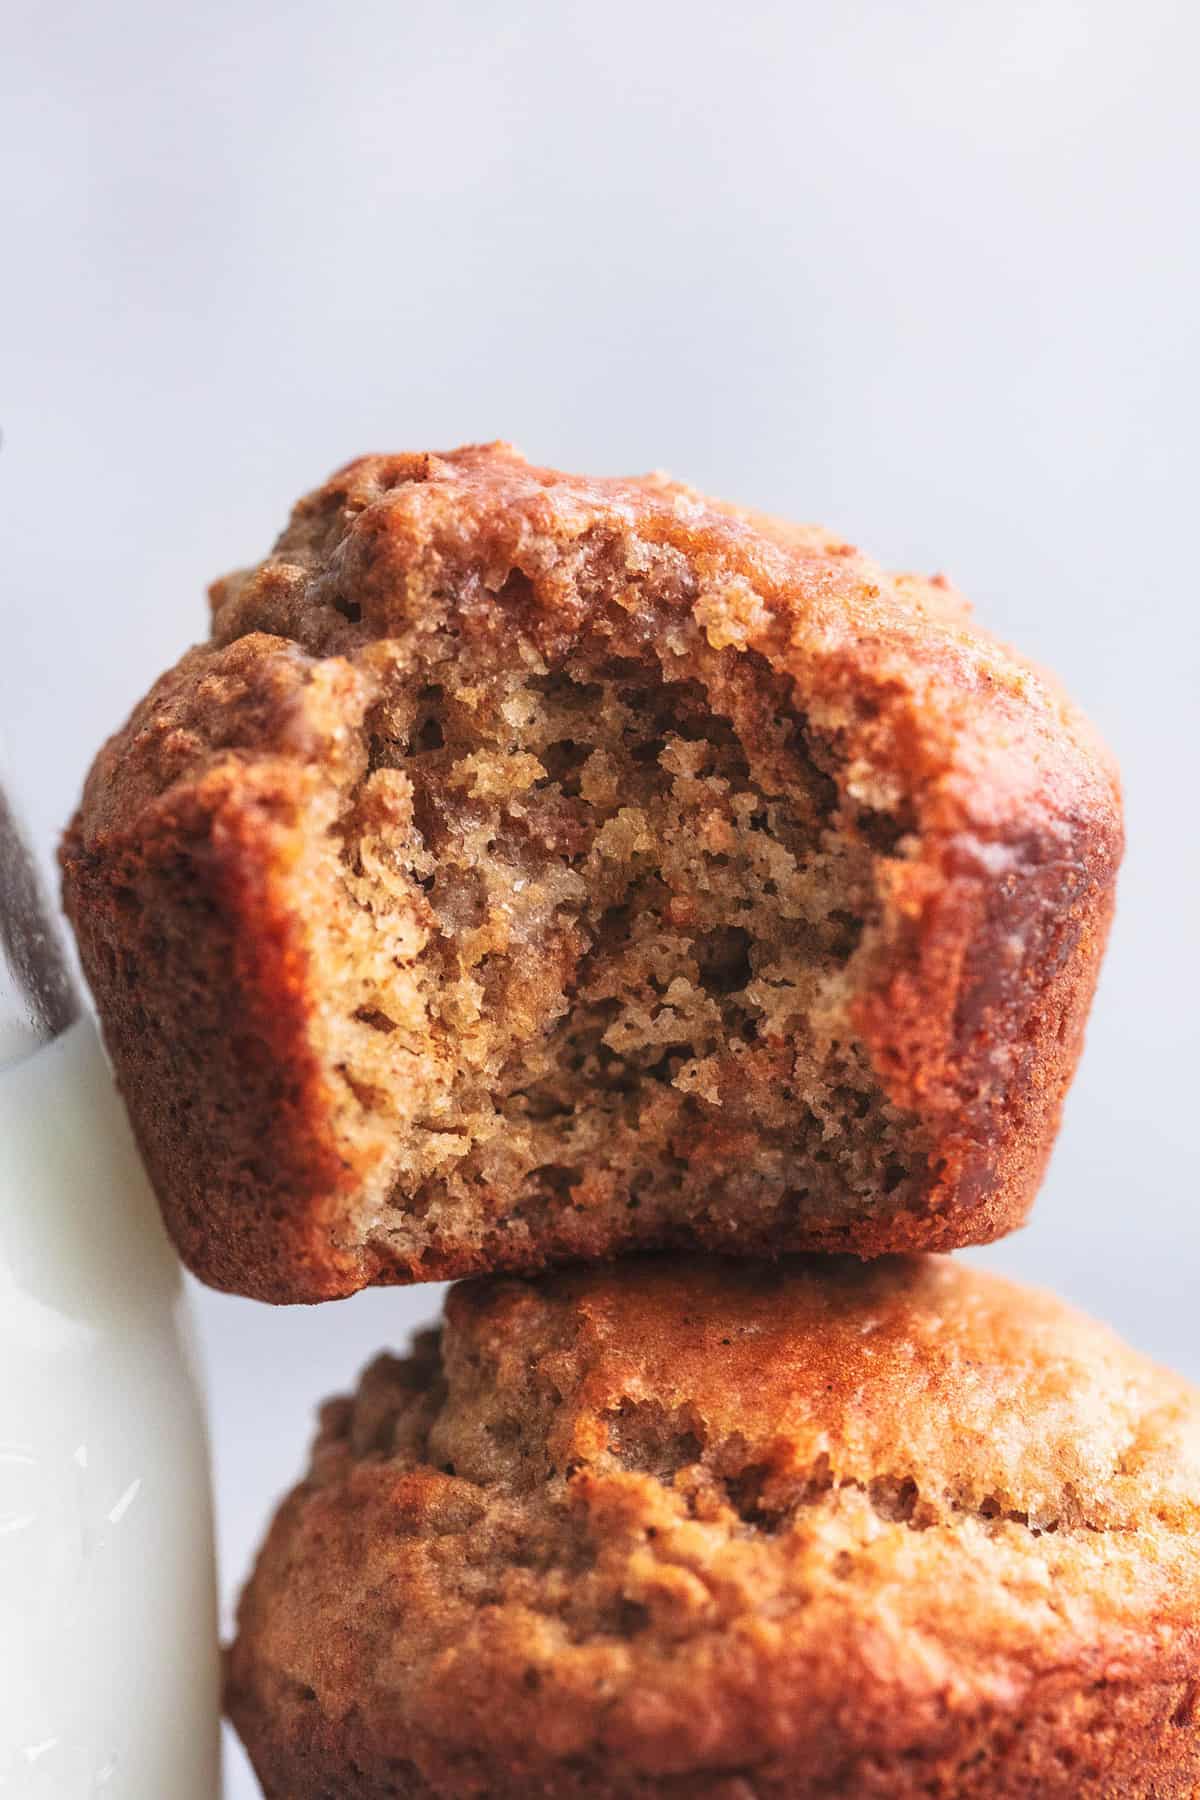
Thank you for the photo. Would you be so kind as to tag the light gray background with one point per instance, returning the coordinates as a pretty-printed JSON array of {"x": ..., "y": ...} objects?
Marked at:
[{"x": 925, "y": 271}]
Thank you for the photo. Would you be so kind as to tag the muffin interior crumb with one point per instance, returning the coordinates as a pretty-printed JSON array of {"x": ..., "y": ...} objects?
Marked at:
[{"x": 604, "y": 921}]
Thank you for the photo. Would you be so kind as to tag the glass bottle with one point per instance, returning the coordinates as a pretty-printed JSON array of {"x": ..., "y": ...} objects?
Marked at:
[{"x": 109, "y": 1671}]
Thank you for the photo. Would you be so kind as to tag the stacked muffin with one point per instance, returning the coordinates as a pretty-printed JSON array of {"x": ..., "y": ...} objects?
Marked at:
[{"x": 533, "y": 872}]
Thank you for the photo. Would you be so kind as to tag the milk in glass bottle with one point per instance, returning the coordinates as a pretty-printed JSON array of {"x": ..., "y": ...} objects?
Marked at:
[{"x": 108, "y": 1636}]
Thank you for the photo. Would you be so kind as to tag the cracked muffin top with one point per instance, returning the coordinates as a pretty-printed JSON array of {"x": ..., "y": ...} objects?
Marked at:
[
  {"x": 534, "y": 868},
  {"x": 695, "y": 1527}
]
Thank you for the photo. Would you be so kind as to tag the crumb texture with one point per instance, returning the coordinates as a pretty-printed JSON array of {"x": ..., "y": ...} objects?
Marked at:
[
  {"x": 536, "y": 868},
  {"x": 701, "y": 1528}
]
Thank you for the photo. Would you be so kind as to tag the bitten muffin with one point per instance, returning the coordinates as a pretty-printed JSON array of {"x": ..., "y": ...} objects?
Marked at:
[
  {"x": 700, "y": 1527},
  {"x": 535, "y": 868}
]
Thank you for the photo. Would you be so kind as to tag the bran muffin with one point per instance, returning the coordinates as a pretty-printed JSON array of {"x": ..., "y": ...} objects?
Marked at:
[
  {"x": 534, "y": 868},
  {"x": 699, "y": 1527}
]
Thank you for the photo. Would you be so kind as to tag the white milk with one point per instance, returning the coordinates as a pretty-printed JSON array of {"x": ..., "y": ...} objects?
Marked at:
[{"x": 108, "y": 1632}]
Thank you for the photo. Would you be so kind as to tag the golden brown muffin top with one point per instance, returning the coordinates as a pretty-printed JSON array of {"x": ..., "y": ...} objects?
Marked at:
[
  {"x": 681, "y": 1516},
  {"x": 895, "y": 663},
  {"x": 992, "y": 1400}
]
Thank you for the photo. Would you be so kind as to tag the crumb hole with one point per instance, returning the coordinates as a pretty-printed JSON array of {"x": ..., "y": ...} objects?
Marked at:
[
  {"x": 894, "y": 1499},
  {"x": 375, "y": 1018},
  {"x": 724, "y": 959},
  {"x": 645, "y": 1437}
]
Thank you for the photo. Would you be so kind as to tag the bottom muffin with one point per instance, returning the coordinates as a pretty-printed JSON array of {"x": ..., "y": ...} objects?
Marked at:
[{"x": 690, "y": 1527}]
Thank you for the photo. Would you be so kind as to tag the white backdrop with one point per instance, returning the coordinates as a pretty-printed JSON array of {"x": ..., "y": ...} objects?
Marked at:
[{"x": 927, "y": 272}]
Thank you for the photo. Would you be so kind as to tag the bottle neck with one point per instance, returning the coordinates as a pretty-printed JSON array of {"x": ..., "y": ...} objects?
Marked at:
[{"x": 38, "y": 999}]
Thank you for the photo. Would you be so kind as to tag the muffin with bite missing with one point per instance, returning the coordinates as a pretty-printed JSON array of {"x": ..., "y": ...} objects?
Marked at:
[{"x": 534, "y": 867}]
